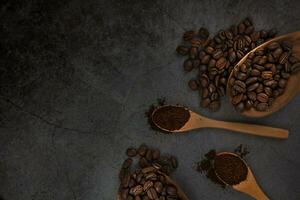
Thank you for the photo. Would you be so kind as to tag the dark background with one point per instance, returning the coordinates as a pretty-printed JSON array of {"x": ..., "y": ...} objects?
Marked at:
[{"x": 77, "y": 76}]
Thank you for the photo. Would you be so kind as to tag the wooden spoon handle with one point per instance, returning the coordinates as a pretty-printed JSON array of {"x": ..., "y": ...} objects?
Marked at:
[{"x": 249, "y": 128}]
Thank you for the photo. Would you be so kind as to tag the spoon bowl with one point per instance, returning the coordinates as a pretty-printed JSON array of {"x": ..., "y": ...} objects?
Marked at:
[
  {"x": 180, "y": 192},
  {"x": 197, "y": 121},
  {"x": 249, "y": 185},
  {"x": 293, "y": 83}
]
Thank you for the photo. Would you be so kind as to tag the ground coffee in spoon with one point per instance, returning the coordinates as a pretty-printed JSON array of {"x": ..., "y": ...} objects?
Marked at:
[
  {"x": 171, "y": 117},
  {"x": 231, "y": 169}
]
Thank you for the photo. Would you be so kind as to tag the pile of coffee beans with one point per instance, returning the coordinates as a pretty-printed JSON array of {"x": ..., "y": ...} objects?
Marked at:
[
  {"x": 263, "y": 76},
  {"x": 214, "y": 58},
  {"x": 147, "y": 182}
]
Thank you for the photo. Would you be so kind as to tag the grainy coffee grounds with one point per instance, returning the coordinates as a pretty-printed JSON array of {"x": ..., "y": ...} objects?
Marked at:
[
  {"x": 207, "y": 164},
  {"x": 230, "y": 168},
  {"x": 171, "y": 117}
]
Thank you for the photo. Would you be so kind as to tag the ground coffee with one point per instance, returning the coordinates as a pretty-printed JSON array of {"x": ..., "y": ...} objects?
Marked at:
[
  {"x": 171, "y": 117},
  {"x": 146, "y": 181},
  {"x": 207, "y": 164},
  {"x": 231, "y": 169},
  {"x": 214, "y": 58}
]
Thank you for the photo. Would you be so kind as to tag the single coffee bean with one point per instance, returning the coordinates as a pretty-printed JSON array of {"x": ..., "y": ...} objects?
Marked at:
[
  {"x": 262, "y": 106},
  {"x": 260, "y": 88},
  {"x": 273, "y": 45},
  {"x": 237, "y": 99},
  {"x": 284, "y": 75},
  {"x": 203, "y": 33},
  {"x": 131, "y": 152},
  {"x": 188, "y": 35},
  {"x": 204, "y": 93},
  {"x": 283, "y": 58},
  {"x": 217, "y": 54},
  {"x": 125, "y": 180},
  {"x": 193, "y": 52},
  {"x": 142, "y": 150},
  {"x": 188, "y": 65},
  {"x": 282, "y": 83},
  {"x": 196, "y": 42},
  {"x": 147, "y": 185},
  {"x": 158, "y": 186},
  {"x": 205, "y": 59},
  {"x": 127, "y": 163},
  {"x": 287, "y": 67},
  {"x": 193, "y": 84},
  {"x": 156, "y": 154},
  {"x": 205, "y": 102},
  {"x": 258, "y": 67},
  {"x": 295, "y": 68},
  {"x": 243, "y": 68},
  {"x": 240, "y": 107},
  {"x": 271, "y": 58},
  {"x": 143, "y": 162},
  {"x": 276, "y": 54},
  {"x": 182, "y": 50},
  {"x": 268, "y": 91},
  {"x": 252, "y": 87},
  {"x": 209, "y": 50},
  {"x": 221, "y": 91},
  {"x": 204, "y": 81},
  {"x": 251, "y": 80},
  {"x": 251, "y": 95},
  {"x": 152, "y": 194},
  {"x": 267, "y": 74},
  {"x": 211, "y": 88},
  {"x": 149, "y": 155},
  {"x": 174, "y": 162},
  {"x": 262, "y": 97},
  {"x": 255, "y": 72},
  {"x": 242, "y": 76},
  {"x": 212, "y": 63},
  {"x": 221, "y": 63}
]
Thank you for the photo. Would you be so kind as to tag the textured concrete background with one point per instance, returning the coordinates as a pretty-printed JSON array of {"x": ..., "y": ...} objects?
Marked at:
[{"x": 82, "y": 73}]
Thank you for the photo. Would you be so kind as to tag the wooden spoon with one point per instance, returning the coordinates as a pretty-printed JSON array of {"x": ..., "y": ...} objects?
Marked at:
[
  {"x": 293, "y": 83},
  {"x": 248, "y": 186},
  {"x": 197, "y": 121},
  {"x": 180, "y": 192}
]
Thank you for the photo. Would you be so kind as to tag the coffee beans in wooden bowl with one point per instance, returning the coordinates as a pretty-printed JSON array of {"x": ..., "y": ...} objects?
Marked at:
[
  {"x": 148, "y": 181},
  {"x": 214, "y": 58},
  {"x": 263, "y": 76}
]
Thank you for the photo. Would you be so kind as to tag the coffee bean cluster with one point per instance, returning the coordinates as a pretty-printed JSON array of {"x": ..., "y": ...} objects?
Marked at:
[
  {"x": 147, "y": 182},
  {"x": 263, "y": 76},
  {"x": 214, "y": 58}
]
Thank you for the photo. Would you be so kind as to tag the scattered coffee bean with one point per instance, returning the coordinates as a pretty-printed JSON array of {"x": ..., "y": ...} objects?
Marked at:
[{"x": 131, "y": 152}]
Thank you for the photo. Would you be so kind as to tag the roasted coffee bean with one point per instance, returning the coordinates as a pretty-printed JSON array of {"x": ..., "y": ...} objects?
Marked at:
[
  {"x": 158, "y": 186},
  {"x": 273, "y": 45},
  {"x": 271, "y": 59},
  {"x": 211, "y": 88},
  {"x": 295, "y": 67},
  {"x": 142, "y": 150},
  {"x": 193, "y": 84},
  {"x": 221, "y": 63},
  {"x": 287, "y": 67},
  {"x": 283, "y": 58},
  {"x": 258, "y": 67},
  {"x": 237, "y": 99},
  {"x": 203, "y": 33},
  {"x": 151, "y": 193},
  {"x": 205, "y": 59},
  {"x": 255, "y": 72},
  {"x": 221, "y": 91},
  {"x": 293, "y": 59},
  {"x": 174, "y": 162},
  {"x": 268, "y": 91},
  {"x": 212, "y": 63},
  {"x": 217, "y": 54},
  {"x": 209, "y": 50},
  {"x": 267, "y": 74},
  {"x": 196, "y": 42},
  {"x": 251, "y": 95},
  {"x": 285, "y": 75},
  {"x": 171, "y": 190},
  {"x": 214, "y": 106},
  {"x": 188, "y": 35},
  {"x": 282, "y": 83},
  {"x": 260, "y": 88},
  {"x": 131, "y": 152},
  {"x": 252, "y": 87},
  {"x": 143, "y": 163},
  {"x": 188, "y": 65},
  {"x": 204, "y": 81},
  {"x": 127, "y": 163},
  {"x": 193, "y": 52},
  {"x": 277, "y": 53},
  {"x": 262, "y": 97},
  {"x": 240, "y": 107},
  {"x": 262, "y": 106},
  {"x": 147, "y": 185},
  {"x": 182, "y": 50},
  {"x": 156, "y": 154},
  {"x": 125, "y": 180},
  {"x": 242, "y": 76},
  {"x": 251, "y": 80},
  {"x": 149, "y": 155},
  {"x": 205, "y": 102},
  {"x": 204, "y": 93}
]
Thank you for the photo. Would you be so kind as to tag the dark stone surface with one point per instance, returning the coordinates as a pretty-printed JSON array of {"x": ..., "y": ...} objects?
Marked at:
[{"x": 77, "y": 76}]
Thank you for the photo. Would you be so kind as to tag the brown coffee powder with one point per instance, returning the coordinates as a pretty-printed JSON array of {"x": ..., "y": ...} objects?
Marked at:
[
  {"x": 171, "y": 117},
  {"x": 231, "y": 169}
]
